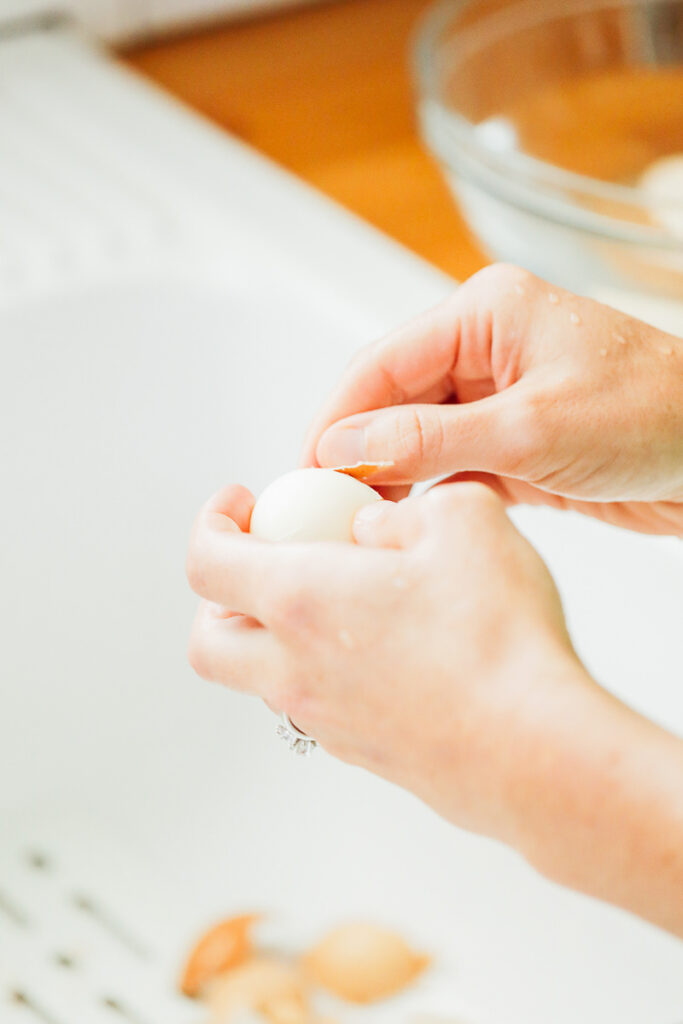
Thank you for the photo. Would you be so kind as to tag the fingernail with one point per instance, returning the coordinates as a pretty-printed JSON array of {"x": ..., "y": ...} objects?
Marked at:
[{"x": 343, "y": 446}]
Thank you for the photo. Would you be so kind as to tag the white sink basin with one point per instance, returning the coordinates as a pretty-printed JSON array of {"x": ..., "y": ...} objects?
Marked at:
[{"x": 127, "y": 396}]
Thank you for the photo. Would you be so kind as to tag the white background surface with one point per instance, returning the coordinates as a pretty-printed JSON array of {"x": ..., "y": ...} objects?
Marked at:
[
  {"x": 116, "y": 20},
  {"x": 130, "y": 390}
]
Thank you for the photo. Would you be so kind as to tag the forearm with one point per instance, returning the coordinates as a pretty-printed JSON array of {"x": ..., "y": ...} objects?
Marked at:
[{"x": 605, "y": 814}]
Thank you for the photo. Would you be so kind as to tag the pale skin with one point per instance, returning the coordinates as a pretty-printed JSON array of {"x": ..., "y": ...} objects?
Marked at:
[{"x": 434, "y": 650}]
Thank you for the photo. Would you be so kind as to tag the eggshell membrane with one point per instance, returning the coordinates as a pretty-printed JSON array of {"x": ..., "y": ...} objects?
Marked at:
[
  {"x": 363, "y": 963},
  {"x": 270, "y": 985},
  {"x": 310, "y": 505}
]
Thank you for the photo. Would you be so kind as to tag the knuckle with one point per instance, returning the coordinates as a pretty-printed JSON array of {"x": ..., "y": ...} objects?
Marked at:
[
  {"x": 498, "y": 280},
  {"x": 292, "y": 609},
  {"x": 370, "y": 358},
  {"x": 194, "y": 562},
  {"x": 507, "y": 275},
  {"x": 291, "y": 696},
  {"x": 526, "y": 430},
  {"x": 429, "y": 431},
  {"x": 278, "y": 699},
  {"x": 361, "y": 357},
  {"x": 466, "y": 495},
  {"x": 195, "y": 572},
  {"x": 394, "y": 393},
  {"x": 419, "y": 434},
  {"x": 197, "y": 657},
  {"x": 480, "y": 497}
]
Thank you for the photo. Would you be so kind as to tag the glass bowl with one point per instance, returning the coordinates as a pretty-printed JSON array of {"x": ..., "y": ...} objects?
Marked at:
[{"x": 559, "y": 127}]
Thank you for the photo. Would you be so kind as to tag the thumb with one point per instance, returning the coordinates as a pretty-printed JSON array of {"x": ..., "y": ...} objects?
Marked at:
[{"x": 418, "y": 442}]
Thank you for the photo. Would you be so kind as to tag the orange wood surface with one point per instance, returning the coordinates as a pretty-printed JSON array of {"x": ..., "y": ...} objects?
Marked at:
[{"x": 326, "y": 91}]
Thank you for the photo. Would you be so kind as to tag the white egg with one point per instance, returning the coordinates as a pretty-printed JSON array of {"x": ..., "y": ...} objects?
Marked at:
[{"x": 310, "y": 504}]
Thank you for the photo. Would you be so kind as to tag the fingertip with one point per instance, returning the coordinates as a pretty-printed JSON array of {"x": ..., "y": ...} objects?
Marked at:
[
  {"x": 234, "y": 503},
  {"x": 472, "y": 495},
  {"x": 499, "y": 485}
]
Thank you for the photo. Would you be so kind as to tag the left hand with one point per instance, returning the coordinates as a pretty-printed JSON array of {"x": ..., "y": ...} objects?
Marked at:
[
  {"x": 434, "y": 652},
  {"x": 429, "y": 653}
]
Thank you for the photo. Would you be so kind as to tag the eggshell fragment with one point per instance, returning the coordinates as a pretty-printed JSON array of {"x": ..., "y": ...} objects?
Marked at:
[
  {"x": 310, "y": 505},
  {"x": 363, "y": 470},
  {"x": 362, "y": 963},
  {"x": 269, "y": 985},
  {"x": 222, "y": 947},
  {"x": 287, "y": 1011}
]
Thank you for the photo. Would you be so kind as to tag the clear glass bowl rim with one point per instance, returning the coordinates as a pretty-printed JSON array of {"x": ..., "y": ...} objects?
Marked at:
[{"x": 526, "y": 170}]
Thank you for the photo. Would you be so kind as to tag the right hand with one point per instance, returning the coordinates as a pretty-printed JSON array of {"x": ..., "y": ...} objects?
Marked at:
[{"x": 546, "y": 397}]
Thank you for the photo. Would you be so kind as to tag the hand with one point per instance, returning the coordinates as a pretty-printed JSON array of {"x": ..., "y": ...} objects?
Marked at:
[
  {"x": 434, "y": 653},
  {"x": 547, "y": 397},
  {"x": 412, "y": 654}
]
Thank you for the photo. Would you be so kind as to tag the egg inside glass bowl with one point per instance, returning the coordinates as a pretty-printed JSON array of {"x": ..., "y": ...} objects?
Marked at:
[{"x": 559, "y": 127}]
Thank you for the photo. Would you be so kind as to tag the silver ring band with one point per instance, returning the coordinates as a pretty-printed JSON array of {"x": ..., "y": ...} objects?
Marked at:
[{"x": 297, "y": 741}]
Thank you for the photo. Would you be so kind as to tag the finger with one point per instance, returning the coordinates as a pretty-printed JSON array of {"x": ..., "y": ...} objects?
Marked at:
[
  {"x": 386, "y": 373},
  {"x": 518, "y": 492},
  {"x": 388, "y": 524},
  {"x": 235, "y": 650},
  {"x": 465, "y": 500},
  {"x": 231, "y": 568},
  {"x": 417, "y": 442},
  {"x": 466, "y": 348},
  {"x": 456, "y": 513},
  {"x": 509, "y": 490},
  {"x": 443, "y": 508},
  {"x": 235, "y": 502},
  {"x": 659, "y": 517}
]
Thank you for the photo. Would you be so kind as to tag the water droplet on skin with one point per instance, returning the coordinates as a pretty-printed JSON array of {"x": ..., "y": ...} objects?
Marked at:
[
  {"x": 619, "y": 338},
  {"x": 553, "y": 297},
  {"x": 575, "y": 318},
  {"x": 400, "y": 583},
  {"x": 667, "y": 351},
  {"x": 519, "y": 289},
  {"x": 346, "y": 639},
  {"x": 603, "y": 351}
]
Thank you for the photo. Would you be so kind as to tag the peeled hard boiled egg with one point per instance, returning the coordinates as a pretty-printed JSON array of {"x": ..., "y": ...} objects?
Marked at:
[{"x": 310, "y": 504}]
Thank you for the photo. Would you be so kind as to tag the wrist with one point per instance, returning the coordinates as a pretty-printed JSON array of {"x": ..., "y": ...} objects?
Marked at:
[{"x": 600, "y": 807}]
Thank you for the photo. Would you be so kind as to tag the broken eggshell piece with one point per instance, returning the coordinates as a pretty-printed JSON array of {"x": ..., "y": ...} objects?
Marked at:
[
  {"x": 362, "y": 963},
  {"x": 269, "y": 985},
  {"x": 225, "y": 945}
]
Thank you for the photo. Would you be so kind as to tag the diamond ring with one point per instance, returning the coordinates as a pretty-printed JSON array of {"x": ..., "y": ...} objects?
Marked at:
[{"x": 296, "y": 740}]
